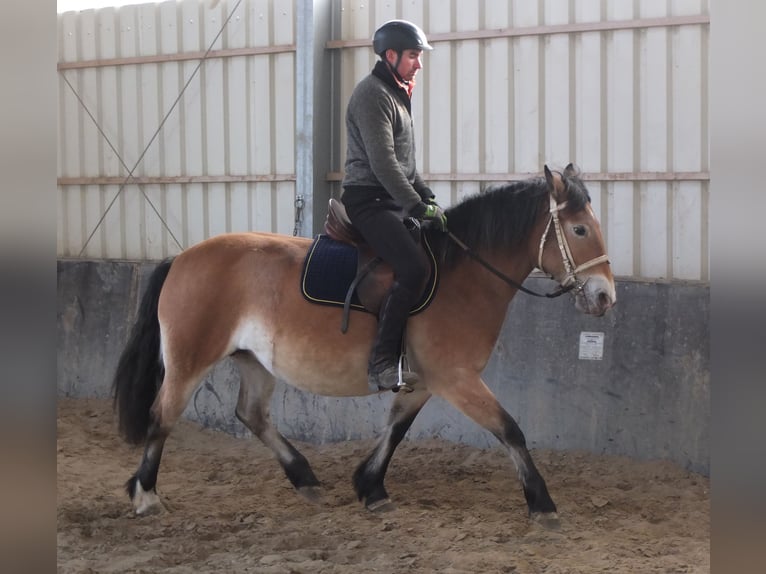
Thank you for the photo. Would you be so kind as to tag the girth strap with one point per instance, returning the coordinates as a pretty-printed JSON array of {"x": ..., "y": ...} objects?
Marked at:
[{"x": 363, "y": 271}]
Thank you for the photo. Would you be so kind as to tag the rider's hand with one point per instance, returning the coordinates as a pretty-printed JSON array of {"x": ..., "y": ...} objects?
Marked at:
[{"x": 435, "y": 214}]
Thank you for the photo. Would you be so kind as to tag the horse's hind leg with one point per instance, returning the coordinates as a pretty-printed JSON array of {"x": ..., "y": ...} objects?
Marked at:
[
  {"x": 369, "y": 475},
  {"x": 255, "y": 390},
  {"x": 475, "y": 400},
  {"x": 174, "y": 394}
]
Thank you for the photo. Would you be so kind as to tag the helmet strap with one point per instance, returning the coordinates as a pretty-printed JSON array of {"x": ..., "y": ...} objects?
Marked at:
[{"x": 394, "y": 67}]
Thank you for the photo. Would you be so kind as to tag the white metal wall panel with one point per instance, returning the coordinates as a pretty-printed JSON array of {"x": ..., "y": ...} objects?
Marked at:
[
  {"x": 467, "y": 116},
  {"x": 687, "y": 113},
  {"x": 527, "y": 65},
  {"x": 497, "y": 103},
  {"x": 588, "y": 121},
  {"x": 618, "y": 87},
  {"x": 654, "y": 197},
  {"x": 224, "y": 159},
  {"x": 621, "y": 137},
  {"x": 624, "y": 98},
  {"x": 433, "y": 106}
]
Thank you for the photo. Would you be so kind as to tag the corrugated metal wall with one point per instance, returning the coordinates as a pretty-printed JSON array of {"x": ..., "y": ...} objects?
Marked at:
[
  {"x": 620, "y": 88},
  {"x": 225, "y": 157}
]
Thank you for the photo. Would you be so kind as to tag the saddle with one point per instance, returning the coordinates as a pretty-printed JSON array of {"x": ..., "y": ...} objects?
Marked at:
[{"x": 374, "y": 277}]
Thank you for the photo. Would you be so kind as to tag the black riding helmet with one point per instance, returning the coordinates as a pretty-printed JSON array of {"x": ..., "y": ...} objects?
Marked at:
[{"x": 399, "y": 35}]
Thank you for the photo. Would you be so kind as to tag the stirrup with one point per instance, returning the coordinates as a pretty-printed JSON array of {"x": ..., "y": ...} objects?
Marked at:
[{"x": 405, "y": 385}]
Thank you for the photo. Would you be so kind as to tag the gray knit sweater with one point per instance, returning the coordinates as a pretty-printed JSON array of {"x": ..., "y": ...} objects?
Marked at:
[{"x": 381, "y": 143}]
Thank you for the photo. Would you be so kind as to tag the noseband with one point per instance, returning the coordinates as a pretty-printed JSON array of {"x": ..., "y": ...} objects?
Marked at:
[{"x": 570, "y": 282}]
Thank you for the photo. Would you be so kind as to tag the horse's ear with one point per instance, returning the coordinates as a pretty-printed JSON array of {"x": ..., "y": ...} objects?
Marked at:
[
  {"x": 548, "y": 177},
  {"x": 555, "y": 185},
  {"x": 571, "y": 170}
]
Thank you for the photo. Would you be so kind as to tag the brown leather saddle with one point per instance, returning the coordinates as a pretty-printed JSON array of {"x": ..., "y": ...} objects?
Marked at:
[{"x": 374, "y": 276}]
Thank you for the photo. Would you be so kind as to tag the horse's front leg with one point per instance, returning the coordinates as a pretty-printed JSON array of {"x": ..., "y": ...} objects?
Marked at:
[
  {"x": 475, "y": 400},
  {"x": 369, "y": 475}
]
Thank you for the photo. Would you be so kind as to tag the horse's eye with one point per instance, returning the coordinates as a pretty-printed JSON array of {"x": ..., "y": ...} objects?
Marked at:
[{"x": 580, "y": 230}]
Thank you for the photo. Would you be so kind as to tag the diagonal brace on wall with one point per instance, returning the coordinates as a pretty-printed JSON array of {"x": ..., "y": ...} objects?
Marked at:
[{"x": 130, "y": 171}]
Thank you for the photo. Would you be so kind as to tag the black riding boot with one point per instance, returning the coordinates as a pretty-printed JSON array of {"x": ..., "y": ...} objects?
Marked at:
[{"x": 383, "y": 368}]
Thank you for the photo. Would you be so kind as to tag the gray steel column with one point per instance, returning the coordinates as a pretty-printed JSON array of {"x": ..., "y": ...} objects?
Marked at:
[
  {"x": 304, "y": 118},
  {"x": 315, "y": 112}
]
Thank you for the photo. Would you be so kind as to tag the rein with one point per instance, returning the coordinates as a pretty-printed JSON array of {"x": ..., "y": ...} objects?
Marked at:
[{"x": 570, "y": 282}]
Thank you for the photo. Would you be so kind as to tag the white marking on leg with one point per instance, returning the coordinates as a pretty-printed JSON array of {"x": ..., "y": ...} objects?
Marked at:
[
  {"x": 521, "y": 467},
  {"x": 380, "y": 454},
  {"x": 271, "y": 438},
  {"x": 145, "y": 501}
]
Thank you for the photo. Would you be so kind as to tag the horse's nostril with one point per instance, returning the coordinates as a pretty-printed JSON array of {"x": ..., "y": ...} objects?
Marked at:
[{"x": 604, "y": 300}]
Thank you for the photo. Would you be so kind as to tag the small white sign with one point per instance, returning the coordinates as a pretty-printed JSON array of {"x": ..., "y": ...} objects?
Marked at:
[{"x": 591, "y": 345}]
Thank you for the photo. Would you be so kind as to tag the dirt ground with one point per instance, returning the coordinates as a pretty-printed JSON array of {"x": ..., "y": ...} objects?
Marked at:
[{"x": 459, "y": 509}]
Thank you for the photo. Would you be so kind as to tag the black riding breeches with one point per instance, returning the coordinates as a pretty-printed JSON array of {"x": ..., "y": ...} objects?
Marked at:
[{"x": 385, "y": 232}]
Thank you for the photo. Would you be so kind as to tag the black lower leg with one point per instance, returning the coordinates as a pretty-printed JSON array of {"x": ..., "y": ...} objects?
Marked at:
[
  {"x": 535, "y": 490},
  {"x": 370, "y": 474},
  {"x": 297, "y": 469},
  {"x": 252, "y": 410},
  {"x": 150, "y": 463}
]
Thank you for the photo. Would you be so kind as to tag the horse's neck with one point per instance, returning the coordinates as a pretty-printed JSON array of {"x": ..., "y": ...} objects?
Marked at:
[{"x": 476, "y": 283}]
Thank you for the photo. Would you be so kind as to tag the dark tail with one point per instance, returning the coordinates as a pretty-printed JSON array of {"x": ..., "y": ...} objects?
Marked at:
[{"x": 139, "y": 372}]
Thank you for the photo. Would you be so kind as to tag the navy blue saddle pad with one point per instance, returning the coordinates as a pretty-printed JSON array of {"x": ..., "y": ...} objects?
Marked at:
[{"x": 330, "y": 267}]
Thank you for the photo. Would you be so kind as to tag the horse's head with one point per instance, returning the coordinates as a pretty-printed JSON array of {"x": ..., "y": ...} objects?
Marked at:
[{"x": 571, "y": 248}]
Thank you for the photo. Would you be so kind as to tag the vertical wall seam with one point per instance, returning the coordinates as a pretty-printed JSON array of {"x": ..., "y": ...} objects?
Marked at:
[
  {"x": 606, "y": 187},
  {"x": 453, "y": 105},
  {"x": 120, "y": 139},
  {"x": 704, "y": 147},
  {"x": 636, "y": 187},
  {"x": 670, "y": 155},
  {"x": 99, "y": 115},
  {"x": 426, "y": 119},
  {"x": 182, "y": 151},
  {"x": 227, "y": 132},
  {"x": 227, "y": 140},
  {"x": 511, "y": 131},
  {"x": 141, "y": 140},
  {"x": 163, "y": 207},
  {"x": 482, "y": 130},
  {"x": 272, "y": 123},
  {"x": 541, "y": 42},
  {"x": 572, "y": 52},
  {"x": 249, "y": 98},
  {"x": 203, "y": 128},
  {"x": 78, "y": 33}
]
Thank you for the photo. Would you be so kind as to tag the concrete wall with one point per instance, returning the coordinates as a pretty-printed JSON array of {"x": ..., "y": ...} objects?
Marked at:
[{"x": 648, "y": 397}]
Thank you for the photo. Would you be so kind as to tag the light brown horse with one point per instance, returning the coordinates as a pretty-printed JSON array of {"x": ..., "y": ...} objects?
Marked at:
[{"x": 238, "y": 295}]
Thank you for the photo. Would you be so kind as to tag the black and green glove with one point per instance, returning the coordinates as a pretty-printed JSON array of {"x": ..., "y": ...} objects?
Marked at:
[{"x": 435, "y": 214}]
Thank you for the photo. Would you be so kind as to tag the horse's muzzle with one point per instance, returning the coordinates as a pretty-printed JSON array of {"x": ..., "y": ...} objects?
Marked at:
[{"x": 596, "y": 296}]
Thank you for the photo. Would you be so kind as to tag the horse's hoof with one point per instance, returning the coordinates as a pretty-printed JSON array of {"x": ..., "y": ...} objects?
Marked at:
[
  {"x": 149, "y": 510},
  {"x": 382, "y": 505},
  {"x": 548, "y": 520},
  {"x": 311, "y": 493},
  {"x": 146, "y": 502}
]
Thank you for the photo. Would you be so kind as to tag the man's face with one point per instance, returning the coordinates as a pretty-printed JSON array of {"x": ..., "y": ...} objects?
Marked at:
[{"x": 408, "y": 65}]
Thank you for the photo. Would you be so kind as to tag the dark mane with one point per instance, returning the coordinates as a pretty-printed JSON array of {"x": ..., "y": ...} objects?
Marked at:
[{"x": 502, "y": 216}]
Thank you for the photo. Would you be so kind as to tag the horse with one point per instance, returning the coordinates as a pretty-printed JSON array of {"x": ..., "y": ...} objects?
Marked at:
[{"x": 237, "y": 295}]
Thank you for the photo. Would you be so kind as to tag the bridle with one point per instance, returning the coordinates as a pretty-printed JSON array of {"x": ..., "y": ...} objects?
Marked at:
[{"x": 570, "y": 281}]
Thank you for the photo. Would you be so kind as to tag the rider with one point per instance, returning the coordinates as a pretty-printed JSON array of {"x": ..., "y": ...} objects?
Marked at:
[{"x": 381, "y": 186}]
